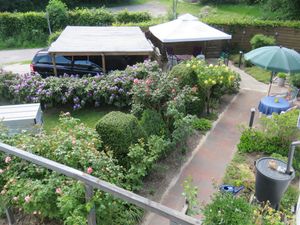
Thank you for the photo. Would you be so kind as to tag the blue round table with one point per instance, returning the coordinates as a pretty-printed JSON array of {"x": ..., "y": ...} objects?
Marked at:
[{"x": 268, "y": 105}]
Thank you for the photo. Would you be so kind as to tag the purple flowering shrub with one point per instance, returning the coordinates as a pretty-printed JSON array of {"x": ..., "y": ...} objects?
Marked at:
[{"x": 112, "y": 89}]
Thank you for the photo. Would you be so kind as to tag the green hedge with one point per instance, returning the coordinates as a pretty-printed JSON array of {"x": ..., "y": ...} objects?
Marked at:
[
  {"x": 253, "y": 22},
  {"x": 118, "y": 131}
]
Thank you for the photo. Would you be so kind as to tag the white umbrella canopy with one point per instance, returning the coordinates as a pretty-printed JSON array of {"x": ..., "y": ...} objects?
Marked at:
[{"x": 187, "y": 28}]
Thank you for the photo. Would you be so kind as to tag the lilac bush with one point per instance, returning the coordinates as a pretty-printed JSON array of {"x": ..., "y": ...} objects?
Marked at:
[{"x": 112, "y": 89}]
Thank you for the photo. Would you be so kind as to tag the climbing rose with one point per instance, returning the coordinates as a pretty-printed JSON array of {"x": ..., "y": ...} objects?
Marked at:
[
  {"x": 58, "y": 191},
  {"x": 89, "y": 170},
  {"x": 27, "y": 199},
  {"x": 7, "y": 159},
  {"x": 136, "y": 81}
]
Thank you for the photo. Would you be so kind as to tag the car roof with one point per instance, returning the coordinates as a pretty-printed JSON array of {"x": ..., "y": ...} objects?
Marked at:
[{"x": 43, "y": 51}]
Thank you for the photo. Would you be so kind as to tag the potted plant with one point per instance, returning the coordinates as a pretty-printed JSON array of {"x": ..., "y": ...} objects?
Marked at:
[{"x": 281, "y": 79}]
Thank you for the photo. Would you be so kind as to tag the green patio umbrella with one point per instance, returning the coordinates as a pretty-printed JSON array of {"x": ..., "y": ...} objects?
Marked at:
[{"x": 275, "y": 59}]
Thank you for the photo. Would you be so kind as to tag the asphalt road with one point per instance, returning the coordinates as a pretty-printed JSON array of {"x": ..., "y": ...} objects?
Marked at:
[{"x": 15, "y": 56}]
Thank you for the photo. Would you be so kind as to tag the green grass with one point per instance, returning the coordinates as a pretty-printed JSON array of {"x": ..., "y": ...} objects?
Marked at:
[
  {"x": 19, "y": 62},
  {"x": 259, "y": 74},
  {"x": 220, "y": 11},
  {"x": 89, "y": 117}
]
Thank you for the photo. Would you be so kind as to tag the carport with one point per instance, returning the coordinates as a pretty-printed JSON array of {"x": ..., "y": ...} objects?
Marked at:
[{"x": 100, "y": 41}]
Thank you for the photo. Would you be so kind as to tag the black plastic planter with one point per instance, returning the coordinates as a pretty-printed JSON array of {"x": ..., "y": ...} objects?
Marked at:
[{"x": 271, "y": 184}]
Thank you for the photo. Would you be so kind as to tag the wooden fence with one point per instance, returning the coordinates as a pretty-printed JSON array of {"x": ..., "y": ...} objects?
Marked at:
[{"x": 91, "y": 183}]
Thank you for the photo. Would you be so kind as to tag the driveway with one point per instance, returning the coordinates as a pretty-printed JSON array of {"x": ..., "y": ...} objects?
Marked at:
[
  {"x": 154, "y": 8},
  {"x": 14, "y": 56}
]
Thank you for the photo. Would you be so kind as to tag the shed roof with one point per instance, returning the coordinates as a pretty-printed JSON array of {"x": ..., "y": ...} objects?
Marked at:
[
  {"x": 86, "y": 40},
  {"x": 187, "y": 28}
]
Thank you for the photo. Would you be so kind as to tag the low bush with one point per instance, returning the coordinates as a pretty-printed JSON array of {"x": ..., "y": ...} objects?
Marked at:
[
  {"x": 118, "y": 131},
  {"x": 90, "y": 17},
  {"x": 260, "y": 40},
  {"x": 53, "y": 37},
  {"x": 227, "y": 209},
  {"x": 185, "y": 75},
  {"x": 153, "y": 123},
  {"x": 142, "y": 157},
  {"x": 275, "y": 135},
  {"x": 202, "y": 124},
  {"x": 127, "y": 17},
  {"x": 295, "y": 79}
]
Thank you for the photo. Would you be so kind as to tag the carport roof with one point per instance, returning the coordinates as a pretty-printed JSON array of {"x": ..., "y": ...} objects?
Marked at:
[{"x": 86, "y": 40}]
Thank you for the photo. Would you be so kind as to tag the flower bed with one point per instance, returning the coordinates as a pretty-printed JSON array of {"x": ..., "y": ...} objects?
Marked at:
[{"x": 161, "y": 108}]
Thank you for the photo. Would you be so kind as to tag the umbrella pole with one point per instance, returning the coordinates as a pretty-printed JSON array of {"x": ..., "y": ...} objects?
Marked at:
[{"x": 270, "y": 86}]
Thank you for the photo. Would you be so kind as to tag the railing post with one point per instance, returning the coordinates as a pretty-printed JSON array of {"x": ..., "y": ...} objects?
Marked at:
[
  {"x": 89, "y": 192},
  {"x": 10, "y": 216}
]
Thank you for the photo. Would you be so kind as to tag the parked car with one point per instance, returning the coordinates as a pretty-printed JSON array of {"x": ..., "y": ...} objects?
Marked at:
[
  {"x": 42, "y": 64},
  {"x": 81, "y": 65}
]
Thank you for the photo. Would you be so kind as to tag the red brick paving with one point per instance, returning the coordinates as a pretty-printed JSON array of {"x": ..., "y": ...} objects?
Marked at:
[{"x": 212, "y": 157}]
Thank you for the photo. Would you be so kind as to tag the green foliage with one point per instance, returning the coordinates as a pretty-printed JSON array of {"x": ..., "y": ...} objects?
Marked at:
[
  {"x": 275, "y": 135},
  {"x": 281, "y": 75},
  {"x": 260, "y": 40},
  {"x": 282, "y": 9},
  {"x": 213, "y": 81},
  {"x": 118, "y": 131},
  {"x": 190, "y": 193},
  {"x": 58, "y": 14},
  {"x": 202, "y": 124},
  {"x": 142, "y": 158},
  {"x": 23, "y": 29},
  {"x": 53, "y": 37},
  {"x": 39, "y": 191},
  {"x": 289, "y": 199},
  {"x": 295, "y": 80},
  {"x": 90, "y": 17},
  {"x": 242, "y": 22},
  {"x": 227, "y": 209},
  {"x": 153, "y": 123},
  {"x": 126, "y": 17},
  {"x": 240, "y": 173},
  {"x": 185, "y": 75}
]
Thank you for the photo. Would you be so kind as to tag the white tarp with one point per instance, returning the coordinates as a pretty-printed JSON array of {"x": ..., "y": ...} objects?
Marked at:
[
  {"x": 185, "y": 29},
  {"x": 107, "y": 40}
]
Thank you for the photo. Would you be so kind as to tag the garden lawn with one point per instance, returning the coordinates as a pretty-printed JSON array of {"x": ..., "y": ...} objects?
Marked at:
[
  {"x": 221, "y": 11},
  {"x": 259, "y": 74},
  {"x": 89, "y": 117}
]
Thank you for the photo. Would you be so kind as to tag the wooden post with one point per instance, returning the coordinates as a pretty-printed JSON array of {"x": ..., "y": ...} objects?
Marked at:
[
  {"x": 10, "y": 216},
  {"x": 89, "y": 192},
  {"x": 54, "y": 64},
  {"x": 103, "y": 63}
]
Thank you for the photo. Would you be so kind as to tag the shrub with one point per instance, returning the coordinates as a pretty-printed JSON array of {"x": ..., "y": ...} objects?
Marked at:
[
  {"x": 118, "y": 131},
  {"x": 53, "y": 37},
  {"x": 142, "y": 158},
  {"x": 227, "y": 209},
  {"x": 128, "y": 17},
  {"x": 260, "y": 40},
  {"x": 295, "y": 80},
  {"x": 153, "y": 123},
  {"x": 185, "y": 75},
  {"x": 37, "y": 190},
  {"x": 202, "y": 124},
  {"x": 90, "y": 17},
  {"x": 112, "y": 89},
  {"x": 58, "y": 14}
]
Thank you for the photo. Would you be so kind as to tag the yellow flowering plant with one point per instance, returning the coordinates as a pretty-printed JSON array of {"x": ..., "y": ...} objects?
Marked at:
[{"x": 213, "y": 80}]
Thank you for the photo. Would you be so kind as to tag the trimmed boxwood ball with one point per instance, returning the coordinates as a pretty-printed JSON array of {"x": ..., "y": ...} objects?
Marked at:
[{"x": 118, "y": 131}]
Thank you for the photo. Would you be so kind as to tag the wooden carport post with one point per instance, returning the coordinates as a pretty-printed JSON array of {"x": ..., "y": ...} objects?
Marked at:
[
  {"x": 54, "y": 64},
  {"x": 103, "y": 63}
]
